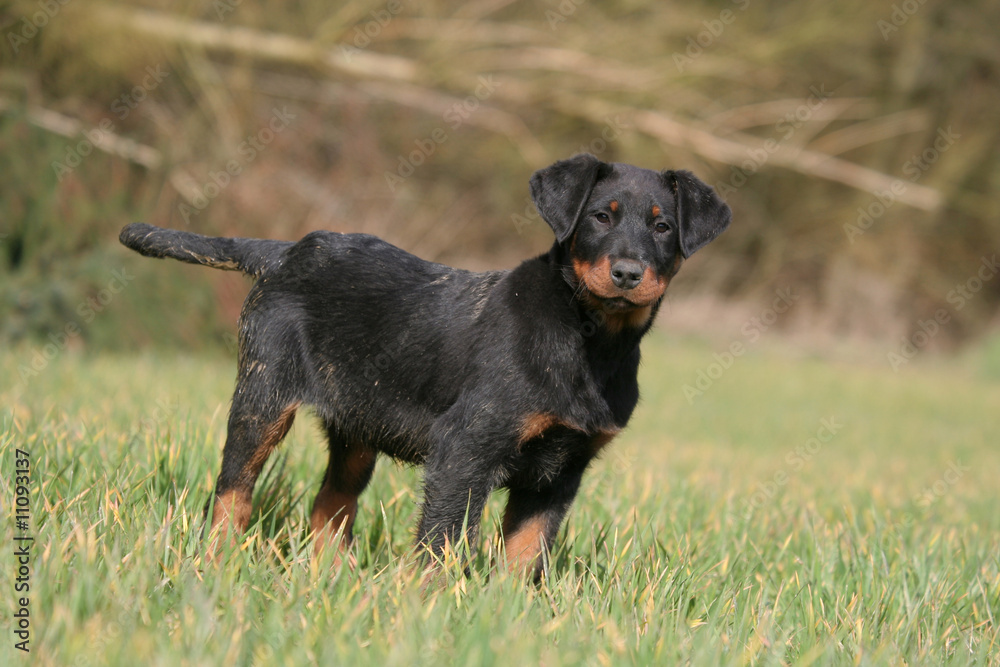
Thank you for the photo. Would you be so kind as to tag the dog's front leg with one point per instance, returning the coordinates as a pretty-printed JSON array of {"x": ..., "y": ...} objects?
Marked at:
[
  {"x": 464, "y": 466},
  {"x": 532, "y": 519},
  {"x": 455, "y": 493}
]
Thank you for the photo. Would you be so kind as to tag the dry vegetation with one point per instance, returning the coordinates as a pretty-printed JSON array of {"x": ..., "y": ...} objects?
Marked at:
[{"x": 804, "y": 114}]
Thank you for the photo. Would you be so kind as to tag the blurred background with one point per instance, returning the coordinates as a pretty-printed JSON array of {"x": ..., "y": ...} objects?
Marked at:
[{"x": 857, "y": 143}]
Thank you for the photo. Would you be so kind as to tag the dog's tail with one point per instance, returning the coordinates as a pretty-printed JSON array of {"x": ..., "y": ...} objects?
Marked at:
[{"x": 251, "y": 256}]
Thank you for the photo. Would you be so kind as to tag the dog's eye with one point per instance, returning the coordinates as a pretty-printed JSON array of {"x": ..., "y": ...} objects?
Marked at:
[
  {"x": 603, "y": 218},
  {"x": 662, "y": 227}
]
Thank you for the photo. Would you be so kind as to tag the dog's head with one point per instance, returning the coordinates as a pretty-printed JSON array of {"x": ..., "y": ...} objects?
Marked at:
[{"x": 626, "y": 229}]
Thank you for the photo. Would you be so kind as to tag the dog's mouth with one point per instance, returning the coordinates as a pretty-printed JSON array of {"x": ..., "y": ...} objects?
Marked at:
[
  {"x": 596, "y": 279},
  {"x": 617, "y": 304}
]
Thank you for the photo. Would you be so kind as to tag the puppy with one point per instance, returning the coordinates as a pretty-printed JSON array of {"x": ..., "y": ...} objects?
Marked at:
[{"x": 514, "y": 379}]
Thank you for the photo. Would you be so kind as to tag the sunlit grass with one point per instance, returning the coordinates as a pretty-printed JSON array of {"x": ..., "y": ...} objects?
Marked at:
[{"x": 716, "y": 531}]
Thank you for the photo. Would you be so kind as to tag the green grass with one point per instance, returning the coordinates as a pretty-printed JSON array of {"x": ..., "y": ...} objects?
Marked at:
[{"x": 703, "y": 535}]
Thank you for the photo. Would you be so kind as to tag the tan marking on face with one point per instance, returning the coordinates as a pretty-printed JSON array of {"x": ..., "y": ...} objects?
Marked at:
[
  {"x": 650, "y": 289},
  {"x": 613, "y": 206},
  {"x": 656, "y": 211},
  {"x": 596, "y": 277}
]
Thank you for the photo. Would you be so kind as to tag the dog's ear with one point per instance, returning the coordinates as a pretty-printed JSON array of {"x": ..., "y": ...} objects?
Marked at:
[
  {"x": 561, "y": 190},
  {"x": 700, "y": 213}
]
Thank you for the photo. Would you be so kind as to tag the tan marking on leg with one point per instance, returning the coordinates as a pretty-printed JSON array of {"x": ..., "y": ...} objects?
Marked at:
[
  {"x": 331, "y": 511},
  {"x": 524, "y": 545},
  {"x": 335, "y": 510},
  {"x": 537, "y": 423},
  {"x": 332, "y": 521},
  {"x": 232, "y": 507},
  {"x": 358, "y": 464},
  {"x": 273, "y": 434},
  {"x": 230, "y": 517},
  {"x": 600, "y": 441}
]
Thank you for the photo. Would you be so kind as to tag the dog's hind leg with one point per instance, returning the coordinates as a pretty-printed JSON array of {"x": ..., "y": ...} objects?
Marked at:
[
  {"x": 336, "y": 505},
  {"x": 252, "y": 436},
  {"x": 264, "y": 405}
]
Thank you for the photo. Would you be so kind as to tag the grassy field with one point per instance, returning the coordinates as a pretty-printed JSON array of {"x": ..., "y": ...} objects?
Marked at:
[{"x": 800, "y": 511}]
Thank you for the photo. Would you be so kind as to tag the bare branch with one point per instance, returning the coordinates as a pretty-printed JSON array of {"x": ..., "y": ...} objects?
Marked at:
[
  {"x": 739, "y": 148},
  {"x": 101, "y": 139},
  {"x": 260, "y": 45}
]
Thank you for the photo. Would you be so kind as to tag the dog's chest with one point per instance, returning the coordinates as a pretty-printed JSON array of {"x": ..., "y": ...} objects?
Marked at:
[{"x": 540, "y": 460}]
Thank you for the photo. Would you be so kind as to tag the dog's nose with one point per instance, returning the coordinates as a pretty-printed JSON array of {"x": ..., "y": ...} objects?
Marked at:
[{"x": 626, "y": 273}]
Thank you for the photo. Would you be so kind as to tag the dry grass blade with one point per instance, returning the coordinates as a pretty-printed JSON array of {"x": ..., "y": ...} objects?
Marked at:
[
  {"x": 872, "y": 131},
  {"x": 104, "y": 140},
  {"x": 258, "y": 44}
]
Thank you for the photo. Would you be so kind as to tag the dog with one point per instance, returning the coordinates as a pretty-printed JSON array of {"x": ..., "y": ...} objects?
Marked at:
[{"x": 505, "y": 379}]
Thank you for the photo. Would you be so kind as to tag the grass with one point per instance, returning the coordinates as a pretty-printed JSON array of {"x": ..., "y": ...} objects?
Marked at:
[{"x": 730, "y": 530}]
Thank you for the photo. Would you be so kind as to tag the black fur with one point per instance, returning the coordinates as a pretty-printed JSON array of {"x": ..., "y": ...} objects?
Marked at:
[
  {"x": 510, "y": 379},
  {"x": 251, "y": 256}
]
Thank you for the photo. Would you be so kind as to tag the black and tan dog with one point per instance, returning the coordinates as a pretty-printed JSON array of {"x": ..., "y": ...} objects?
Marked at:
[{"x": 512, "y": 379}]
